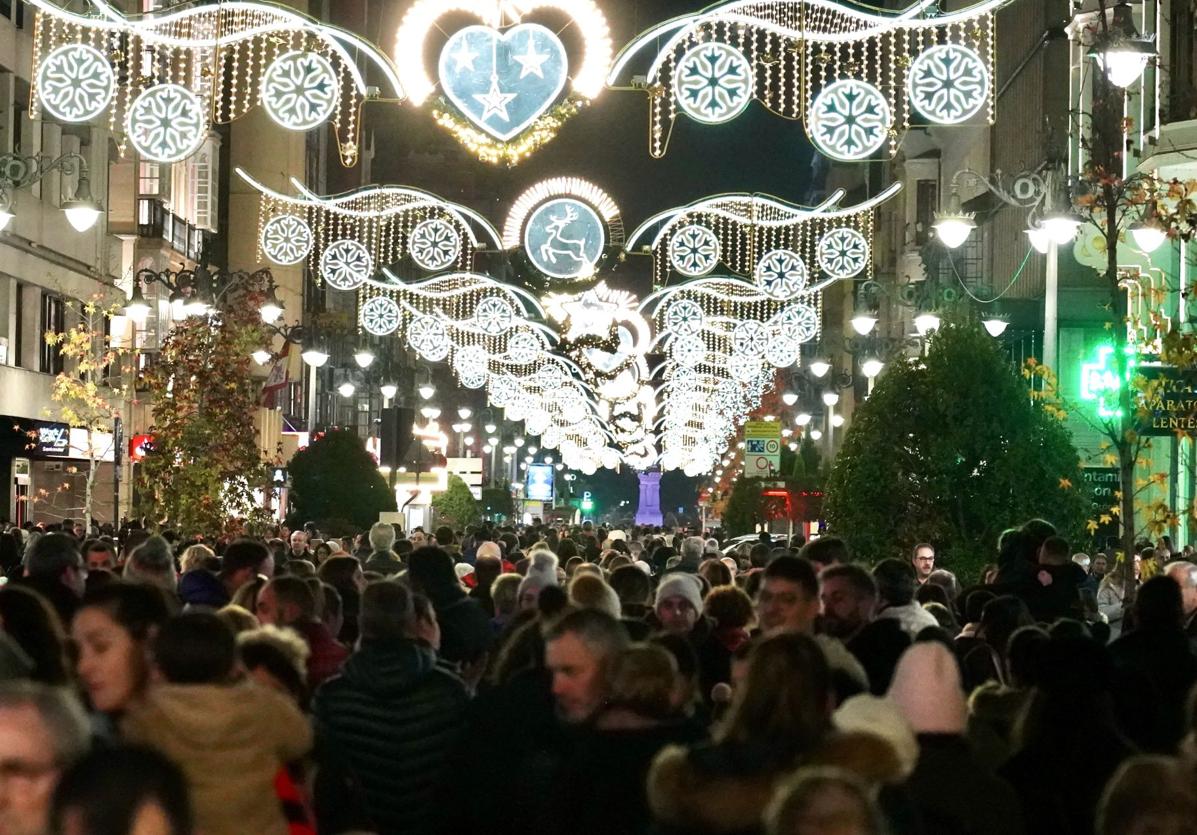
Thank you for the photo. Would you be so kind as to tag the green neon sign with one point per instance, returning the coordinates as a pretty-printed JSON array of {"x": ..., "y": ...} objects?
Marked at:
[{"x": 1100, "y": 383}]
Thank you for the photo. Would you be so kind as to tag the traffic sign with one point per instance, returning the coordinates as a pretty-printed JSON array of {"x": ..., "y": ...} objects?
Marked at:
[{"x": 762, "y": 448}]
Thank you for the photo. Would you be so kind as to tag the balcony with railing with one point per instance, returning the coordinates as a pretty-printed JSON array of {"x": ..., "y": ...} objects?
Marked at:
[{"x": 154, "y": 220}]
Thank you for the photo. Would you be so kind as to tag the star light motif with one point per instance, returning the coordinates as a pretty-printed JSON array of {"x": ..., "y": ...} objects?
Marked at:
[
  {"x": 464, "y": 57},
  {"x": 495, "y": 101},
  {"x": 531, "y": 62},
  {"x": 589, "y": 315}
]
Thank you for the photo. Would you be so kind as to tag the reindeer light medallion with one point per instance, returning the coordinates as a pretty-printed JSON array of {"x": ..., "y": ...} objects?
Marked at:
[{"x": 564, "y": 226}]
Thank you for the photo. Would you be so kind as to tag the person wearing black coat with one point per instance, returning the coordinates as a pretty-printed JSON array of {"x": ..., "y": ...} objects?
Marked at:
[
  {"x": 384, "y": 725},
  {"x": 466, "y": 632}
]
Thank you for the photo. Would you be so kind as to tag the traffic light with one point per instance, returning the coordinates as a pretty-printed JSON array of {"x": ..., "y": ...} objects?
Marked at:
[{"x": 587, "y": 503}]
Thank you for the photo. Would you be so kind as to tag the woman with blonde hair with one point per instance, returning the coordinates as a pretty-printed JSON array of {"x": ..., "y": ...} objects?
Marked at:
[{"x": 196, "y": 556}]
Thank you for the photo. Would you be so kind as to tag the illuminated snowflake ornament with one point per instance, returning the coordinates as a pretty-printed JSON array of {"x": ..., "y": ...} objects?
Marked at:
[
  {"x": 471, "y": 361},
  {"x": 434, "y": 244},
  {"x": 849, "y": 120},
  {"x": 380, "y": 316},
  {"x": 713, "y": 83},
  {"x": 948, "y": 83},
  {"x": 427, "y": 337},
  {"x": 694, "y": 250},
  {"x": 286, "y": 239},
  {"x": 684, "y": 317},
  {"x": 781, "y": 274},
  {"x": 346, "y": 265},
  {"x": 745, "y": 369},
  {"x": 75, "y": 83},
  {"x": 300, "y": 90},
  {"x": 750, "y": 338},
  {"x": 167, "y": 123},
  {"x": 843, "y": 253},
  {"x": 493, "y": 316},
  {"x": 688, "y": 351},
  {"x": 798, "y": 322},
  {"x": 523, "y": 347},
  {"x": 782, "y": 352}
]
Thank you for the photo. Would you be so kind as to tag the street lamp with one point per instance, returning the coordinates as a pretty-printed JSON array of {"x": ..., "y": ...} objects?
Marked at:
[
  {"x": 995, "y": 326},
  {"x": 363, "y": 357},
  {"x": 426, "y": 391},
  {"x": 314, "y": 356},
  {"x": 19, "y": 171},
  {"x": 272, "y": 308},
  {"x": 430, "y": 412},
  {"x": 261, "y": 356},
  {"x": 955, "y": 225},
  {"x": 830, "y": 398},
  {"x": 464, "y": 412},
  {"x": 346, "y": 389},
  {"x": 819, "y": 367},
  {"x": 389, "y": 390},
  {"x": 926, "y": 322},
  {"x": 1149, "y": 235},
  {"x": 789, "y": 398},
  {"x": 1120, "y": 51},
  {"x": 801, "y": 419},
  {"x": 871, "y": 367},
  {"x": 816, "y": 434},
  {"x": 863, "y": 323},
  {"x": 137, "y": 308}
]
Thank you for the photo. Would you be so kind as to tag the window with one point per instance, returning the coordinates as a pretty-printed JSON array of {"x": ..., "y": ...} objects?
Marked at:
[
  {"x": 149, "y": 181},
  {"x": 53, "y": 321},
  {"x": 926, "y": 204},
  {"x": 203, "y": 190}
]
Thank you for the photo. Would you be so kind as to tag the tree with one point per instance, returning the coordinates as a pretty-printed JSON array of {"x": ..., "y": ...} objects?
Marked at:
[
  {"x": 88, "y": 397},
  {"x": 951, "y": 449},
  {"x": 206, "y": 464},
  {"x": 457, "y": 506},
  {"x": 497, "y": 501},
  {"x": 335, "y": 480},
  {"x": 743, "y": 511}
]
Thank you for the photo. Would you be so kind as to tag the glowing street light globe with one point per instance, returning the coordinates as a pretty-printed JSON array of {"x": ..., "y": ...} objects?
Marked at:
[
  {"x": 1124, "y": 61},
  {"x": 346, "y": 389},
  {"x": 819, "y": 367},
  {"x": 816, "y": 434},
  {"x": 363, "y": 358},
  {"x": 1148, "y": 235},
  {"x": 871, "y": 367},
  {"x": 1040, "y": 238},
  {"x": 995, "y": 327},
  {"x": 261, "y": 356},
  {"x": 314, "y": 357},
  {"x": 389, "y": 390},
  {"x": 830, "y": 398},
  {"x": 863, "y": 323},
  {"x": 1061, "y": 227},
  {"x": 789, "y": 398},
  {"x": 925, "y": 323},
  {"x": 801, "y": 419},
  {"x": 953, "y": 228}
]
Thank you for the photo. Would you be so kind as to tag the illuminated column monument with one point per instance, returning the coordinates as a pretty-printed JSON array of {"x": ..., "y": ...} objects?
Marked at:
[{"x": 649, "y": 512}]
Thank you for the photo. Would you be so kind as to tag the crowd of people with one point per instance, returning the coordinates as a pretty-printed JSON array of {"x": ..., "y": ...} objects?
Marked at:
[{"x": 555, "y": 678}]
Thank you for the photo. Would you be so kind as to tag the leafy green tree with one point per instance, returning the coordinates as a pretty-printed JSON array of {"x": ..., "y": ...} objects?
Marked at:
[
  {"x": 743, "y": 511},
  {"x": 951, "y": 448},
  {"x": 335, "y": 480},
  {"x": 497, "y": 501},
  {"x": 457, "y": 506}
]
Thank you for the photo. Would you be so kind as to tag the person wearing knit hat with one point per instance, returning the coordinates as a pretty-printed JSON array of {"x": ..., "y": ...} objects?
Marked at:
[
  {"x": 589, "y": 592},
  {"x": 679, "y": 602},
  {"x": 952, "y": 792},
  {"x": 542, "y": 572}
]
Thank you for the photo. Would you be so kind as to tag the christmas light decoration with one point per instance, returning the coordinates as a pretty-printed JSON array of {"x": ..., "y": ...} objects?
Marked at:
[
  {"x": 502, "y": 80},
  {"x": 183, "y": 69},
  {"x": 846, "y": 72},
  {"x": 564, "y": 225}
]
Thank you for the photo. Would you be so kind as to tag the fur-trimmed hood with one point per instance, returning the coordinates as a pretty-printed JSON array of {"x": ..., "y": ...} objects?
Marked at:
[{"x": 710, "y": 790}]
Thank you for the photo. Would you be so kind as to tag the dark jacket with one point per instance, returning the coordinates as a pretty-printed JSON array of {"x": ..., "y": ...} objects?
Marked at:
[
  {"x": 600, "y": 788},
  {"x": 1153, "y": 666},
  {"x": 386, "y": 563},
  {"x": 954, "y": 795},
  {"x": 61, "y": 599},
  {"x": 386, "y": 723},
  {"x": 201, "y": 587},
  {"x": 466, "y": 632}
]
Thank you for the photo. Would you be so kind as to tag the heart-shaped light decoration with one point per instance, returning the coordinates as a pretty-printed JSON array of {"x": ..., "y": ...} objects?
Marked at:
[{"x": 502, "y": 80}]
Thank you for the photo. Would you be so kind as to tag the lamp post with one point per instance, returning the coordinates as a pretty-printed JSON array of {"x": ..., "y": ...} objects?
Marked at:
[
  {"x": 1051, "y": 223},
  {"x": 19, "y": 171}
]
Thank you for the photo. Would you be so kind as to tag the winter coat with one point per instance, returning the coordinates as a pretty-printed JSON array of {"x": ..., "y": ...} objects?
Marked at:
[
  {"x": 230, "y": 741},
  {"x": 1156, "y": 667},
  {"x": 716, "y": 789},
  {"x": 954, "y": 795},
  {"x": 326, "y": 654},
  {"x": 600, "y": 788},
  {"x": 386, "y": 563},
  {"x": 465, "y": 629},
  {"x": 387, "y": 722},
  {"x": 1109, "y": 602},
  {"x": 913, "y": 617},
  {"x": 993, "y": 711}
]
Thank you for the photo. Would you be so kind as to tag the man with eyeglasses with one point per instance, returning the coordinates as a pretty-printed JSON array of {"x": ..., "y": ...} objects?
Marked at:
[
  {"x": 923, "y": 560},
  {"x": 43, "y": 730}
]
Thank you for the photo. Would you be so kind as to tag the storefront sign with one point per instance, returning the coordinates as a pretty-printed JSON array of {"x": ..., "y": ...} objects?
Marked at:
[
  {"x": 52, "y": 439},
  {"x": 1171, "y": 400}
]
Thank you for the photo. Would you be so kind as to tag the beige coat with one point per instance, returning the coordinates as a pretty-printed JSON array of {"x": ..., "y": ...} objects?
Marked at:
[{"x": 230, "y": 741}]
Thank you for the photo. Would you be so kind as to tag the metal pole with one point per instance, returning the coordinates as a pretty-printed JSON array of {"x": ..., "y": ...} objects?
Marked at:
[
  {"x": 118, "y": 440},
  {"x": 1050, "y": 308},
  {"x": 311, "y": 402}
]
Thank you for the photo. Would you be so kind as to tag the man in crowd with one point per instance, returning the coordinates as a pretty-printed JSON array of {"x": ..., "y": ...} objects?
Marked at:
[
  {"x": 42, "y": 731},
  {"x": 849, "y": 597},
  {"x": 1185, "y": 575},
  {"x": 579, "y": 651},
  {"x": 383, "y": 559},
  {"x": 299, "y": 547},
  {"x": 54, "y": 569},
  {"x": 825, "y": 551},
  {"x": 788, "y": 600},
  {"x": 895, "y": 590},
  {"x": 289, "y": 602},
  {"x": 692, "y": 553},
  {"x": 923, "y": 560},
  {"x": 99, "y": 554},
  {"x": 387, "y": 722}
]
